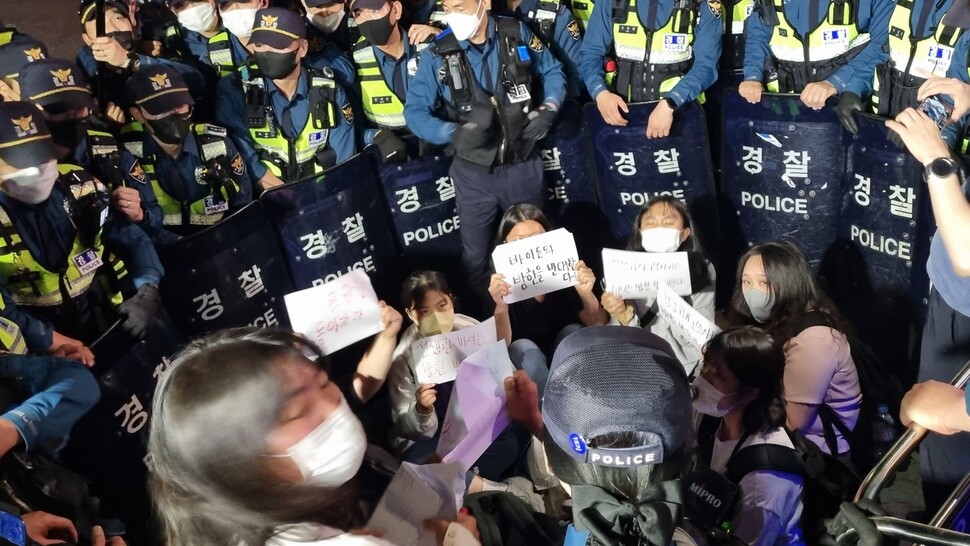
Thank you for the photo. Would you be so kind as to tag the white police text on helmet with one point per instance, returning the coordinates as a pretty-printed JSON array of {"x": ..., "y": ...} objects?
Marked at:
[{"x": 622, "y": 460}]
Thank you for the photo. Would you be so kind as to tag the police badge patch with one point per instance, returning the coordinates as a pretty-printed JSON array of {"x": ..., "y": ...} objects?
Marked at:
[
  {"x": 137, "y": 173},
  {"x": 535, "y": 44},
  {"x": 238, "y": 168},
  {"x": 573, "y": 29},
  {"x": 348, "y": 113},
  {"x": 715, "y": 6}
]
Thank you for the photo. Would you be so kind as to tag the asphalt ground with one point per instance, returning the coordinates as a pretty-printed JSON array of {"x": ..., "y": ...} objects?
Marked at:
[{"x": 54, "y": 22}]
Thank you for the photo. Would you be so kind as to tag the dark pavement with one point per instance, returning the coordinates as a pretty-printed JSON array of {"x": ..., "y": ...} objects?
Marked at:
[{"x": 54, "y": 22}]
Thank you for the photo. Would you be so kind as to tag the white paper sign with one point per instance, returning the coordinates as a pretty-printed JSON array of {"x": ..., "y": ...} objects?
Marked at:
[
  {"x": 632, "y": 274},
  {"x": 537, "y": 265},
  {"x": 476, "y": 412},
  {"x": 336, "y": 314},
  {"x": 433, "y": 486},
  {"x": 436, "y": 358},
  {"x": 681, "y": 316}
]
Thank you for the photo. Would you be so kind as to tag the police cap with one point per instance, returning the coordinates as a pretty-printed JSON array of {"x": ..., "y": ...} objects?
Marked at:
[
  {"x": 356, "y": 5},
  {"x": 21, "y": 50},
  {"x": 57, "y": 85},
  {"x": 87, "y": 10},
  {"x": 277, "y": 28},
  {"x": 321, "y": 3},
  {"x": 158, "y": 89},
  {"x": 25, "y": 140}
]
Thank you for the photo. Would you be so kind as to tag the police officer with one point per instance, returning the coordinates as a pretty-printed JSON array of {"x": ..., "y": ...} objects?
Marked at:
[
  {"x": 288, "y": 121},
  {"x": 818, "y": 48},
  {"x": 238, "y": 17},
  {"x": 16, "y": 53},
  {"x": 582, "y": 10},
  {"x": 924, "y": 41},
  {"x": 117, "y": 57},
  {"x": 206, "y": 40},
  {"x": 386, "y": 61},
  {"x": 329, "y": 21},
  {"x": 555, "y": 25},
  {"x": 197, "y": 174},
  {"x": 483, "y": 70},
  {"x": 58, "y": 87},
  {"x": 736, "y": 12},
  {"x": 61, "y": 249},
  {"x": 637, "y": 51}
]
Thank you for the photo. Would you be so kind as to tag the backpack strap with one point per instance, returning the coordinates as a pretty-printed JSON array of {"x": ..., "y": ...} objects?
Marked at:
[
  {"x": 830, "y": 419},
  {"x": 705, "y": 437},
  {"x": 763, "y": 457}
]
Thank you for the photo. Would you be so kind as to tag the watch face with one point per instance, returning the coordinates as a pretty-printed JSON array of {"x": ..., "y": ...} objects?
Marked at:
[{"x": 942, "y": 167}]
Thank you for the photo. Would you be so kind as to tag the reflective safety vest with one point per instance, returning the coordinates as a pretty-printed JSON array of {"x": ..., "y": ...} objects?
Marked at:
[
  {"x": 382, "y": 106},
  {"x": 828, "y": 47},
  {"x": 211, "y": 144},
  {"x": 732, "y": 57},
  {"x": 11, "y": 338},
  {"x": 219, "y": 53},
  {"x": 31, "y": 283},
  {"x": 582, "y": 11},
  {"x": 911, "y": 60},
  {"x": 296, "y": 158},
  {"x": 6, "y": 35},
  {"x": 651, "y": 62}
]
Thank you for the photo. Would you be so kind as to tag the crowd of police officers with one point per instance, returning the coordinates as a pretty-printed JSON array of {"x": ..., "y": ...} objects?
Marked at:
[{"x": 176, "y": 113}]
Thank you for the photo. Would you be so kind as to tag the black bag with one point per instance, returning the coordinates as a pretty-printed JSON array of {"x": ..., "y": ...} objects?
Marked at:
[{"x": 504, "y": 519}]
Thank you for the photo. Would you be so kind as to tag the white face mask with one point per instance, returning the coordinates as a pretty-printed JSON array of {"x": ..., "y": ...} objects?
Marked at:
[
  {"x": 464, "y": 26},
  {"x": 327, "y": 23},
  {"x": 32, "y": 185},
  {"x": 759, "y": 303},
  {"x": 660, "y": 239},
  {"x": 240, "y": 21},
  {"x": 713, "y": 402},
  {"x": 331, "y": 454},
  {"x": 198, "y": 18}
]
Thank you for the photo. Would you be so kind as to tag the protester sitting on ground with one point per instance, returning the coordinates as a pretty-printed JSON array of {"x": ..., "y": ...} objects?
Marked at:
[
  {"x": 619, "y": 440},
  {"x": 251, "y": 443},
  {"x": 739, "y": 394},
  {"x": 544, "y": 319},
  {"x": 776, "y": 289},
  {"x": 418, "y": 411},
  {"x": 664, "y": 225}
]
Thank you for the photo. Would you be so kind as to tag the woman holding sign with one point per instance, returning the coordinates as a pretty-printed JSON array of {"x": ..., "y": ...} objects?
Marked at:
[
  {"x": 776, "y": 289},
  {"x": 545, "y": 319},
  {"x": 664, "y": 225},
  {"x": 419, "y": 402}
]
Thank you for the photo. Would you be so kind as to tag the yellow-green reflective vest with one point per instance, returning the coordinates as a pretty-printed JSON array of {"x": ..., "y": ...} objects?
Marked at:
[
  {"x": 382, "y": 106},
  {"x": 211, "y": 143},
  {"x": 31, "y": 283},
  {"x": 11, "y": 338},
  {"x": 582, "y": 11}
]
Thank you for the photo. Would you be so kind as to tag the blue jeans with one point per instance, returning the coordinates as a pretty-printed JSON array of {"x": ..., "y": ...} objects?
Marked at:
[{"x": 61, "y": 392}]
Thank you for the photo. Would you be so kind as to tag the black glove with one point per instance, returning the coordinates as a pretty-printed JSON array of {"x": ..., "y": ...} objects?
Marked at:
[
  {"x": 540, "y": 121},
  {"x": 139, "y": 311},
  {"x": 849, "y": 103},
  {"x": 391, "y": 146},
  {"x": 855, "y": 517},
  {"x": 476, "y": 131}
]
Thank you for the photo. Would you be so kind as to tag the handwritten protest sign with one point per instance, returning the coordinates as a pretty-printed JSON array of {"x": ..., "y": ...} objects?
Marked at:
[
  {"x": 476, "y": 412},
  {"x": 336, "y": 314},
  {"x": 537, "y": 265},
  {"x": 436, "y": 358},
  {"x": 681, "y": 316},
  {"x": 438, "y": 486},
  {"x": 633, "y": 274}
]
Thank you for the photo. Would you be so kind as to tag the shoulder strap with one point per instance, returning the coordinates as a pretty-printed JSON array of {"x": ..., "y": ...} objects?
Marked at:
[
  {"x": 705, "y": 437},
  {"x": 323, "y": 98},
  {"x": 812, "y": 318},
  {"x": 510, "y": 51},
  {"x": 763, "y": 457},
  {"x": 455, "y": 69}
]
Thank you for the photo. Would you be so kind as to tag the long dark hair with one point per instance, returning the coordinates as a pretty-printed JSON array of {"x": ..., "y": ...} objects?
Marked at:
[
  {"x": 752, "y": 355},
  {"x": 516, "y": 214},
  {"x": 211, "y": 414},
  {"x": 699, "y": 265},
  {"x": 419, "y": 283},
  {"x": 795, "y": 290}
]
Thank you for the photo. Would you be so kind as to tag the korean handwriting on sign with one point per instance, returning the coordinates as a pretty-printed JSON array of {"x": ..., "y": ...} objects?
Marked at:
[
  {"x": 210, "y": 305},
  {"x": 435, "y": 359},
  {"x": 134, "y": 415},
  {"x": 537, "y": 265}
]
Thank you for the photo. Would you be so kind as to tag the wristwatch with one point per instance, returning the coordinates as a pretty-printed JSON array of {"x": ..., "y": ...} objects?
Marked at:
[
  {"x": 940, "y": 167},
  {"x": 670, "y": 102}
]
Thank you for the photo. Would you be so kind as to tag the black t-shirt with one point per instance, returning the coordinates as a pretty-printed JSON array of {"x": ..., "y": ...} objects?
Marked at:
[{"x": 542, "y": 322}]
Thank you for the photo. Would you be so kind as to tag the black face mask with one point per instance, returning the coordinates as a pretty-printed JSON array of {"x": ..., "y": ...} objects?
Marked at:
[
  {"x": 68, "y": 134},
  {"x": 275, "y": 65},
  {"x": 171, "y": 129},
  {"x": 124, "y": 38},
  {"x": 377, "y": 31}
]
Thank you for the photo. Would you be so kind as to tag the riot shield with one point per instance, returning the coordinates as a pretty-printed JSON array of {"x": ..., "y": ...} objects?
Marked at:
[
  {"x": 631, "y": 169},
  {"x": 781, "y": 165},
  {"x": 421, "y": 200},
  {"x": 231, "y": 274},
  {"x": 108, "y": 444},
  {"x": 333, "y": 223}
]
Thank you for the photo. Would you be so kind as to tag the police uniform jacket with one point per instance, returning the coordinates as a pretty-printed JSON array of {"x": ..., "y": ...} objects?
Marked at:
[
  {"x": 598, "y": 45},
  {"x": 38, "y": 334},
  {"x": 397, "y": 73},
  {"x": 427, "y": 88},
  {"x": 856, "y": 76},
  {"x": 231, "y": 113},
  {"x": 565, "y": 41}
]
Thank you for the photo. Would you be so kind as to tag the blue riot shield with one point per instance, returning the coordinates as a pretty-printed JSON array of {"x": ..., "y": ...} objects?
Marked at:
[
  {"x": 333, "y": 223},
  {"x": 781, "y": 167},
  {"x": 727, "y": 80},
  {"x": 108, "y": 444},
  {"x": 421, "y": 199},
  {"x": 232, "y": 274},
  {"x": 570, "y": 191},
  {"x": 631, "y": 169}
]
